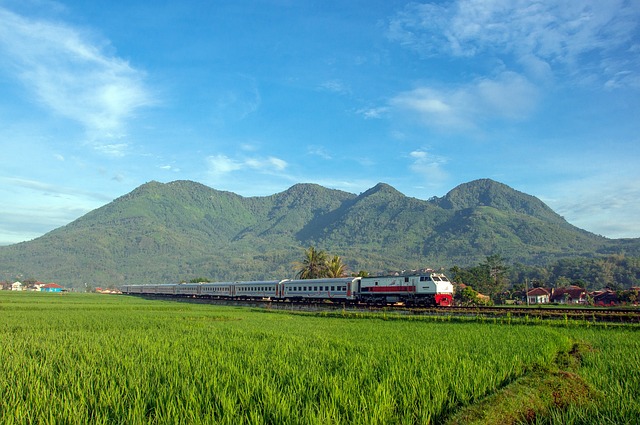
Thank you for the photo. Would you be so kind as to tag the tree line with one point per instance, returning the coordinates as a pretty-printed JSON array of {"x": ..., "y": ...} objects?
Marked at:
[{"x": 498, "y": 280}]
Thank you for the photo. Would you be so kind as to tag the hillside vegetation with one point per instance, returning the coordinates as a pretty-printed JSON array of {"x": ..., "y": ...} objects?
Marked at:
[{"x": 181, "y": 230}]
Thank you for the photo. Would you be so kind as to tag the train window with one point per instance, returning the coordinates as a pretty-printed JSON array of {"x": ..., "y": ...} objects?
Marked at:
[
  {"x": 435, "y": 278},
  {"x": 333, "y": 288},
  {"x": 406, "y": 279},
  {"x": 315, "y": 288},
  {"x": 376, "y": 283}
]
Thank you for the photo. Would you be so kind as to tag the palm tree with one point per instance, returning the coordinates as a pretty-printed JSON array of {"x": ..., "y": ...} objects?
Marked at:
[
  {"x": 314, "y": 264},
  {"x": 336, "y": 268}
]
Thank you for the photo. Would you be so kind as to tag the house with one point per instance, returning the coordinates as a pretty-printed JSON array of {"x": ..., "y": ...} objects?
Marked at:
[
  {"x": 51, "y": 287},
  {"x": 16, "y": 286},
  {"x": 569, "y": 295},
  {"x": 538, "y": 296},
  {"x": 605, "y": 297}
]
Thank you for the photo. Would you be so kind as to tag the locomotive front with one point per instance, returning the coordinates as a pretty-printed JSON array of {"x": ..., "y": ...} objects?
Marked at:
[{"x": 436, "y": 287}]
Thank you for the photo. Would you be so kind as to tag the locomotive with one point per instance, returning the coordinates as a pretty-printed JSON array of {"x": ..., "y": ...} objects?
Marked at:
[{"x": 422, "y": 289}]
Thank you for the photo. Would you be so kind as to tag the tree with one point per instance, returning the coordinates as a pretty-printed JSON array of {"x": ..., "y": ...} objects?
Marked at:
[
  {"x": 468, "y": 297},
  {"x": 497, "y": 274},
  {"x": 314, "y": 264},
  {"x": 336, "y": 268}
]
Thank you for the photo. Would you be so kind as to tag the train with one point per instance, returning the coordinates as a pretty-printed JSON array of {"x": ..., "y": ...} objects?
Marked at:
[{"x": 421, "y": 289}]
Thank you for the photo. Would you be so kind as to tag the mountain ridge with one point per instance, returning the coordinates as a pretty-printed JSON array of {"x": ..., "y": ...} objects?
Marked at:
[{"x": 165, "y": 232}]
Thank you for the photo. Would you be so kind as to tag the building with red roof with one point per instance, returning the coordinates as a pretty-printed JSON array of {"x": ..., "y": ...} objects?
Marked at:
[
  {"x": 51, "y": 287},
  {"x": 538, "y": 296},
  {"x": 569, "y": 295}
]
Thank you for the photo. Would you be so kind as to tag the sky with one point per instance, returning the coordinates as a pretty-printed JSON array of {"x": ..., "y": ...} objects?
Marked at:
[{"x": 99, "y": 97}]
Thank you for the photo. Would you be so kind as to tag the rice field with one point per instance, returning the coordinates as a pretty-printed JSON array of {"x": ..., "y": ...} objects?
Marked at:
[{"x": 81, "y": 358}]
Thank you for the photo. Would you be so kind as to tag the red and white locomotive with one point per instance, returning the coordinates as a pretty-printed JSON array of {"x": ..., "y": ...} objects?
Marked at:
[
  {"x": 421, "y": 289},
  {"x": 426, "y": 288}
]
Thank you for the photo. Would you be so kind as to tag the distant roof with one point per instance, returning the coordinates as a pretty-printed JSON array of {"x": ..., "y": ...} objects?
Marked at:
[
  {"x": 52, "y": 285},
  {"x": 538, "y": 291},
  {"x": 574, "y": 292}
]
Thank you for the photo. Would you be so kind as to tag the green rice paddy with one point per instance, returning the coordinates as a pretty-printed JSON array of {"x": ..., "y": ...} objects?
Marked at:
[{"x": 76, "y": 359}]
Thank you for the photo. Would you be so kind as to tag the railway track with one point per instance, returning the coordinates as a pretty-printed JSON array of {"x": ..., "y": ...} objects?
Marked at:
[
  {"x": 587, "y": 314},
  {"x": 591, "y": 314}
]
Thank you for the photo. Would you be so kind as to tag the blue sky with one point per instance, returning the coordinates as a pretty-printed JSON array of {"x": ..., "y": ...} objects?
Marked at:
[{"x": 99, "y": 97}]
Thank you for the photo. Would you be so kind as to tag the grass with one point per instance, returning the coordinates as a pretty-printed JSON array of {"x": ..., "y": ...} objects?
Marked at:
[{"x": 79, "y": 358}]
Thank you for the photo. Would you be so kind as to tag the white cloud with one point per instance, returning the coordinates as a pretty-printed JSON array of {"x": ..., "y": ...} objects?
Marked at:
[
  {"x": 579, "y": 37},
  {"x": 70, "y": 73},
  {"x": 222, "y": 164},
  {"x": 507, "y": 96},
  {"x": 219, "y": 165},
  {"x": 170, "y": 168}
]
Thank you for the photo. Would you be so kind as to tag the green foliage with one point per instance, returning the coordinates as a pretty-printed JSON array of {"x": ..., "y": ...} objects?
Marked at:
[
  {"x": 335, "y": 267},
  {"x": 314, "y": 265},
  {"x": 467, "y": 297},
  {"x": 317, "y": 264},
  {"x": 181, "y": 230}
]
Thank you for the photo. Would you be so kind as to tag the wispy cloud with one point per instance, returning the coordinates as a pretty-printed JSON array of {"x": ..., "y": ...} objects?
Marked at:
[
  {"x": 602, "y": 204},
  {"x": 428, "y": 166},
  {"x": 52, "y": 189},
  {"x": 506, "y": 96},
  {"x": 376, "y": 112},
  {"x": 335, "y": 86},
  {"x": 319, "y": 151},
  {"x": 38, "y": 207},
  {"x": 69, "y": 72},
  {"x": 220, "y": 165},
  {"x": 235, "y": 97},
  {"x": 589, "y": 39}
]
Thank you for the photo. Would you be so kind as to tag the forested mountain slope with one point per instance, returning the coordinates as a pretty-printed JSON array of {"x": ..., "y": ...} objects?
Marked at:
[{"x": 182, "y": 230}]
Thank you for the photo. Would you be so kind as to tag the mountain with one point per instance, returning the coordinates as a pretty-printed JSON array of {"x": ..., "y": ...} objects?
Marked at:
[{"x": 183, "y": 230}]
